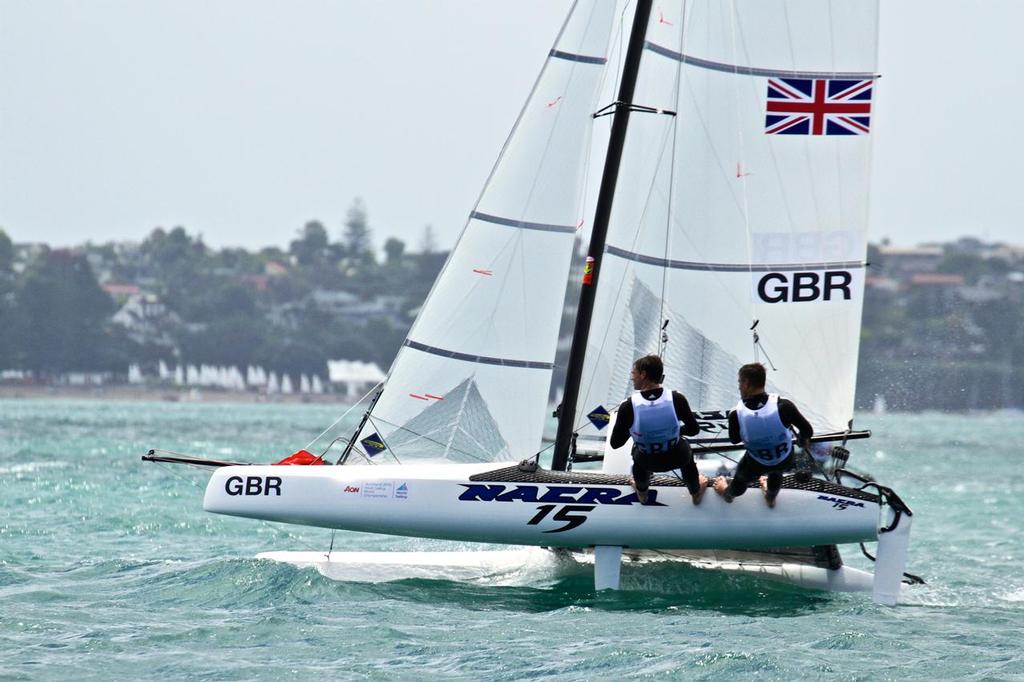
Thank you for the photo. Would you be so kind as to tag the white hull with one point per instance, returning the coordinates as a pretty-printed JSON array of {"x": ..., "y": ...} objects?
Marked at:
[{"x": 440, "y": 501}]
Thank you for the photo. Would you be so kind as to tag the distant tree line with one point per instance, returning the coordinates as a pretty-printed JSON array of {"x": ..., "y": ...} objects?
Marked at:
[
  {"x": 225, "y": 307},
  {"x": 949, "y": 335}
]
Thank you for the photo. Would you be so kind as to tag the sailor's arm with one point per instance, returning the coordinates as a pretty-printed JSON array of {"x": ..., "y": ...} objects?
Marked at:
[
  {"x": 734, "y": 427},
  {"x": 690, "y": 426},
  {"x": 791, "y": 417},
  {"x": 623, "y": 420}
]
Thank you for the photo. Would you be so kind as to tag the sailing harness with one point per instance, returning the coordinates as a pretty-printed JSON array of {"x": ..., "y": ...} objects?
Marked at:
[
  {"x": 768, "y": 440},
  {"x": 655, "y": 427}
]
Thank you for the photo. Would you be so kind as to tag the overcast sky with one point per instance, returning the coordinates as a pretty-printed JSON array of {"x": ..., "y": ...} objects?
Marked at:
[{"x": 241, "y": 120}]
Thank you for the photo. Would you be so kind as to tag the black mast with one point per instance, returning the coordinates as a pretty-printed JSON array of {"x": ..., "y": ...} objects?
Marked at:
[{"x": 620, "y": 121}]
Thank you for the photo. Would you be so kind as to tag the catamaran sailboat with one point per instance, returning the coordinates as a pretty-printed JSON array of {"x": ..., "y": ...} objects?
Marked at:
[{"x": 729, "y": 225}]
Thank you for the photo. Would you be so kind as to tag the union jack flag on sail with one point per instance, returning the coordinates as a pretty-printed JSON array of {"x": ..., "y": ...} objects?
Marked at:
[{"x": 813, "y": 106}]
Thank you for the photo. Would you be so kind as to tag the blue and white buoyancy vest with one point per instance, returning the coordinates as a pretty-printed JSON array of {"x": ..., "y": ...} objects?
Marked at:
[
  {"x": 767, "y": 439},
  {"x": 655, "y": 426}
]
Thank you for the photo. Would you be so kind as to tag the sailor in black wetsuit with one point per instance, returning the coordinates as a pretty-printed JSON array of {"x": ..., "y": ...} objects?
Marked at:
[
  {"x": 762, "y": 421},
  {"x": 651, "y": 416}
]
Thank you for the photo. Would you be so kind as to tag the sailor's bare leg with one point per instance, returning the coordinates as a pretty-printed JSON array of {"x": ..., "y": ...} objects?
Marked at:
[
  {"x": 703, "y": 487},
  {"x": 768, "y": 496},
  {"x": 641, "y": 495}
]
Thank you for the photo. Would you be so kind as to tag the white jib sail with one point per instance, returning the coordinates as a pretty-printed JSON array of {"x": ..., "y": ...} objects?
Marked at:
[
  {"x": 749, "y": 204},
  {"x": 471, "y": 380}
]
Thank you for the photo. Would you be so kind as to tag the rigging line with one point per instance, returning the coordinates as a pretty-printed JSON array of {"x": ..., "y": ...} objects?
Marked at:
[
  {"x": 704, "y": 448},
  {"x": 518, "y": 249},
  {"x": 428, "y": 439},
  {"x": 384, "y": 441},
  {"x": 758, "y": 348},
  {"x": 339, "y": 419},
  {"x": 722, "y": 168},
  {"x": 820, "y": 327},
  {"x": 457, "y": 307},
  {"x": 630, "y": 268},
  {"x": 584, "y": 420},
  {"x": 359, "y": 428},
  {"x": 662, "y": 338},
  {"x": 458, "y": 415},
  {"x": 775, "y": 163},
  {"x": 542, "y": 451},
  {"x": 176, "y": 474},
  {"x": 584, "y": 190},
  {"x": 741, "y": 144},
  {"x": 330, "y": 445},
  {"x": 789, "y": 37},
  {"x": 177, "y": 454},
  {"x": 785, "y": 201},
  {"x": 518, "y": 252},
  {"x": 516, "y": 241},
  {"x": 528, "y": 201},
  {"x": 622, "y": 37},
  {"x": 589, "y": 143},
  {"x": 490, "y": 176},
  {"x": 738, "y": 30}
]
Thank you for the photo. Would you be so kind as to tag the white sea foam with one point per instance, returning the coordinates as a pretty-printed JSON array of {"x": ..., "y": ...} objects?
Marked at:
[
  {"x": 1014, "y": 596},
  {"x": 524, "y": 566},
  {"x": 29, "y": 467}
]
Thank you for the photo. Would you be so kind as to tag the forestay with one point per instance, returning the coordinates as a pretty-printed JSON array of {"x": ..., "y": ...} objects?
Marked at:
[
  {"x": 471, "y": 381},
  {"x": 750, "y": 204}
]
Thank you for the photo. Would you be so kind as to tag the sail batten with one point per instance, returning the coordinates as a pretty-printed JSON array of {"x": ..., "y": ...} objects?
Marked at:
[
  {"x": 730, "y": 267},
  {"x": 581, "y": 58},
  {"x": 522, "y": 224},
  {"x": 741, "y": 70},
  {"x": 480, "y": 359}
]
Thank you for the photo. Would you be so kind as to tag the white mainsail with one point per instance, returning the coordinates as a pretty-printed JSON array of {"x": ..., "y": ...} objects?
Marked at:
[
  {"x": 471, "y": 381},
  {"x": 749, "y": 204}
]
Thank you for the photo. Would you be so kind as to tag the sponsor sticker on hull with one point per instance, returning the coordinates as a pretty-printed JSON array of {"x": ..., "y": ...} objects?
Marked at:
[
  {"x": 568, "y": 505},
  {"x": 380, "y": 490},
  {"x": 840, "y": 502}
]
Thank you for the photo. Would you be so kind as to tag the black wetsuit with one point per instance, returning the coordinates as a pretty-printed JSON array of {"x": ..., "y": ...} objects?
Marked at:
[
  {"x": 680, "y": 457},
  {"x": 749, "y": 469}
]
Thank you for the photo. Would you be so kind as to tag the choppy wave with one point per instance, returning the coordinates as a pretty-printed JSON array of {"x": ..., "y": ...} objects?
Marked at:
[{"x": 110, "y": 570}]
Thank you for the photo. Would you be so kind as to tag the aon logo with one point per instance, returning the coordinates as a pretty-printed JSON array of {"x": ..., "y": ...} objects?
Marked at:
[{"x": 801, "y": 287}]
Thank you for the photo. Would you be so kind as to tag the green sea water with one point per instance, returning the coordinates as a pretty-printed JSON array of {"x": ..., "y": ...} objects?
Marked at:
[{"x": 109, "y": 569}]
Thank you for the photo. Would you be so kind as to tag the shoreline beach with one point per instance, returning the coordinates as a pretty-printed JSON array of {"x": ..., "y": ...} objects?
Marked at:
[{"x": 165, "y": 394}]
